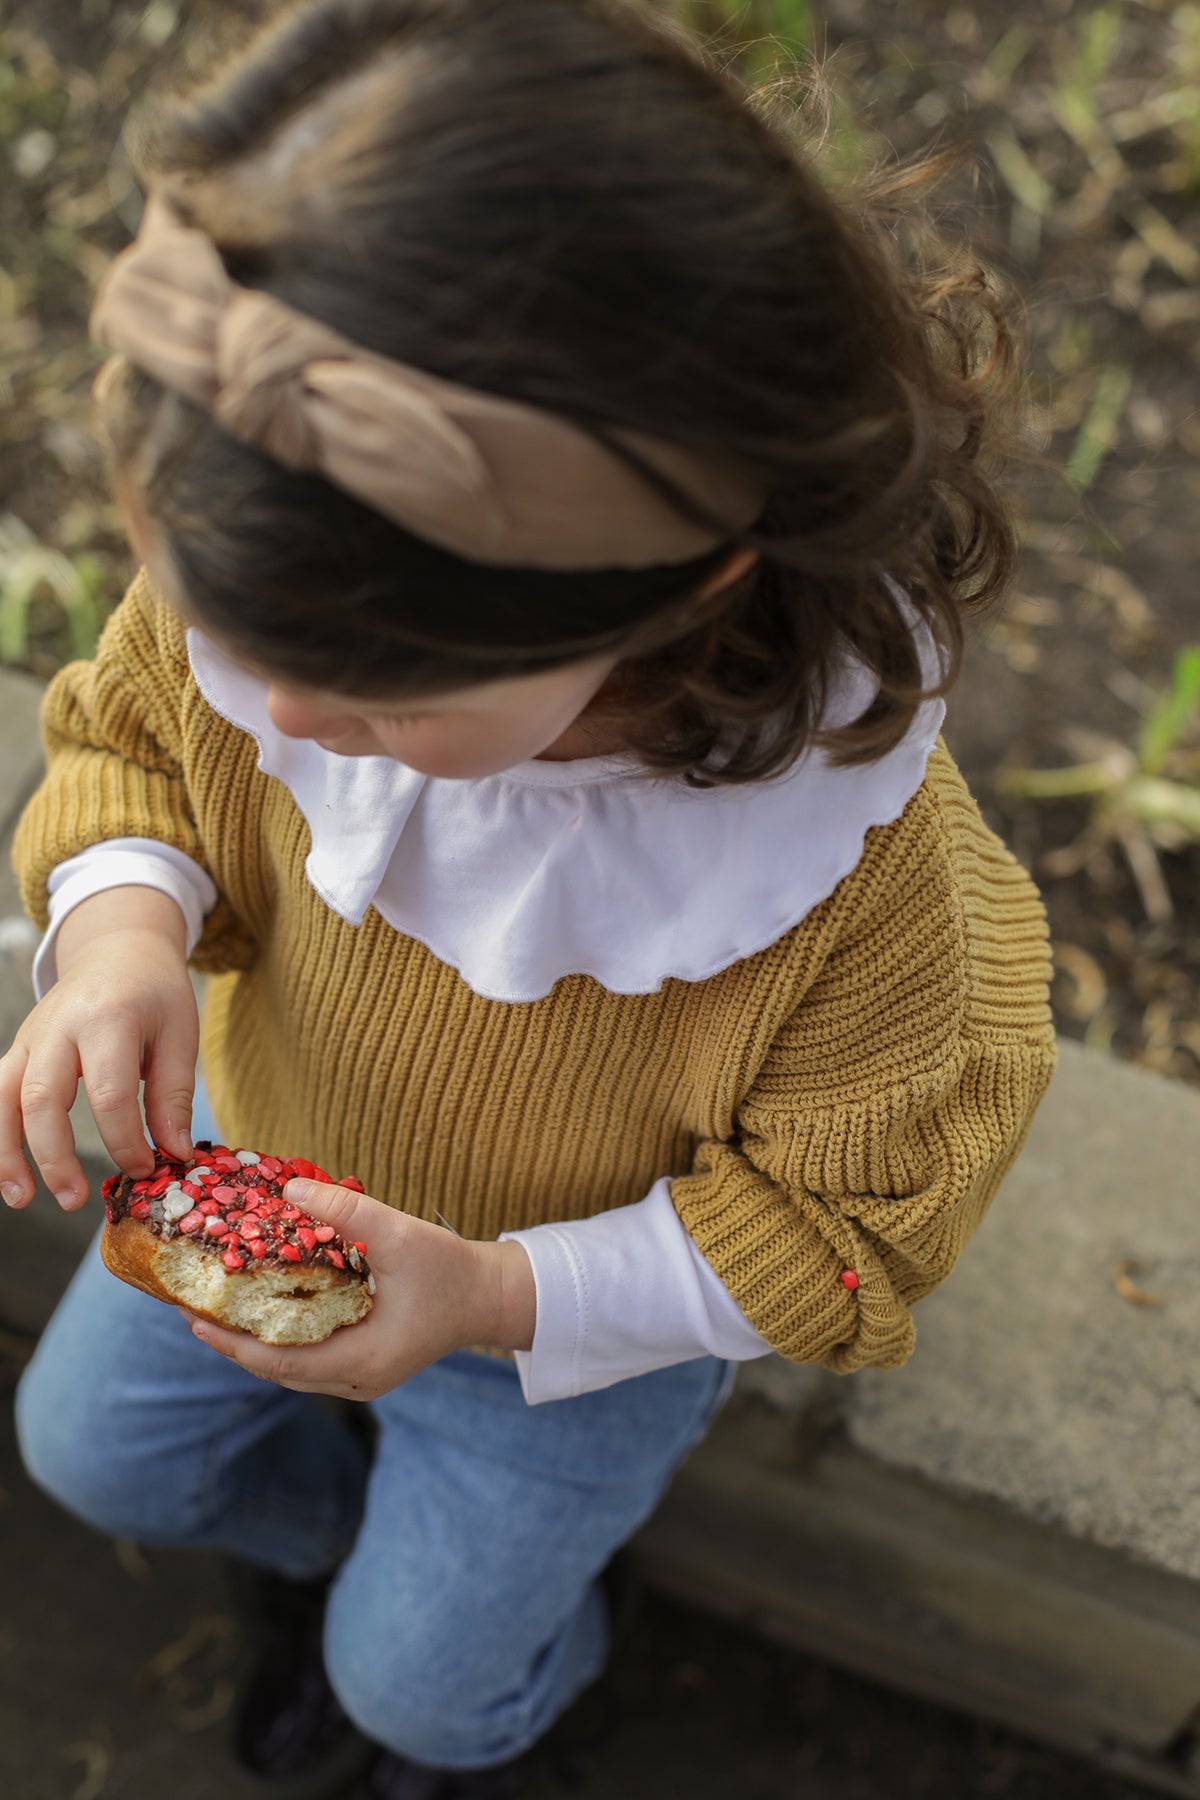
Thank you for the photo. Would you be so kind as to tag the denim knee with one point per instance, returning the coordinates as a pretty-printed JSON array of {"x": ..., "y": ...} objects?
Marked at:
[
  {"x": 63, "y": 1459},
  {"x": 77, "y": 1456},
  {"x": 420, "y": 1697}
]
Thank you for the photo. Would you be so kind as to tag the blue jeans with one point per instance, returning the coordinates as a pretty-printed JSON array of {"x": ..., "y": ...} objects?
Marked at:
[{"x": 465, "y": 1615}]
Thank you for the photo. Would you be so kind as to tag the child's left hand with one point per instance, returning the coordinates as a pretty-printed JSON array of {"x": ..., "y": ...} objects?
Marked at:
[{"x": 435, "y": 1292}]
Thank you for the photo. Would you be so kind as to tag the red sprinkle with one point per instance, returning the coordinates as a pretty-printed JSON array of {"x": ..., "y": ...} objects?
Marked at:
[
  {"x": 360, "y": 1246},
  {"x": 193, "y": 1189},
  {"x": 140, "y": 1209},
  {"x": 290, "y": 1252},
  {"x": 324, "y": 1234},
  {"x": 209, "y": 1207},
  {"x": 849, "y": 1278},
  {"x": 216, "y": 1227},
  {"x": 353, "y": 1183},
  {"x": 250, "y": 1226},
  {"x": 307, "y": 1238},
  {"x": 232, "y": 1260},
  {"x": 258, "y": 1246},
  {"x": 192, "y": 1221},
  {"x": 225, "y": 1195},
  {"x": 336, "y": 1258},
  {"x": 270, "y": 1166}
]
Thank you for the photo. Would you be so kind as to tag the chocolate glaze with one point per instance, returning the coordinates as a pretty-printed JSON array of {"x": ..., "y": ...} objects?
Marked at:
[{"x": 235, "y": 1188}]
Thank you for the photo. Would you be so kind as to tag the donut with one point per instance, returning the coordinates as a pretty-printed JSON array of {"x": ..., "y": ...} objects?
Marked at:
[{"x": 215, "y": 1234}]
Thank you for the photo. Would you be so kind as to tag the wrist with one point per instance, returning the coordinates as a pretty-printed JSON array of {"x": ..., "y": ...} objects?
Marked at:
[
  {"x": 508, "y": 1296},
  {"x": 144, "y": 910}
]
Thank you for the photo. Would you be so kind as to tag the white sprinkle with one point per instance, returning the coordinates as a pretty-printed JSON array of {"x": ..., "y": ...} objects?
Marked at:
[
  {"x": 200, "y": 1169},
  {"x": 370, "y": 1284},
  {"x": 247, "y": 1156},
  {"x": 175, "y": 1202},
  {"x": 353, "y": 1258}
]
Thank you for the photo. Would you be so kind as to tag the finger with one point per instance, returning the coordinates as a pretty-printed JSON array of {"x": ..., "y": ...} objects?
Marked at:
[
  {"x": 48, "y": 1088},
  {"x": 112, "y": 1077},
  {"x": 288, "y": 1367},
  {"x": 171, "y": 1084},
  {"x": 18, "y": 1183},
  {"x": 351, "y": 1214}
]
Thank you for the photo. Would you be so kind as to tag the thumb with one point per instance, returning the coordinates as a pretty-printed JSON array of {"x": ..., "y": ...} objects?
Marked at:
[{"x": 350, "y": 1213}]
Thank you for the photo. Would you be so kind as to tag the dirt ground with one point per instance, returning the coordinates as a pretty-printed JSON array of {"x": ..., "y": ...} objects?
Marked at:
[
  {"x": 1084, "y": 121},
  {"x": 1087, "y": 199}
]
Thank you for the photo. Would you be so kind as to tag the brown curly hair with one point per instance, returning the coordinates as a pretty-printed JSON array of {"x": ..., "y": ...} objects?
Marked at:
[{"x": 567, "y": 202}]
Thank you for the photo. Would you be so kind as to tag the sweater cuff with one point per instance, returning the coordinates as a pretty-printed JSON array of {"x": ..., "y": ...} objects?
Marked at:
[
  {"x": 122, "y": 862},
  {"x": 622, "y": 1294}
]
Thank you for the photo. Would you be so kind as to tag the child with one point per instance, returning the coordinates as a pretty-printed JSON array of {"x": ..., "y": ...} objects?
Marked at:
[{"x": 556, "y": 512}]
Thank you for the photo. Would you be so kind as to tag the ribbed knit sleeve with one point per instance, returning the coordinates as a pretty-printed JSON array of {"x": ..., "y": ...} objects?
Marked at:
[
  {"x": 113, "y": 731},
  {"x": 889, "y": 1105}
]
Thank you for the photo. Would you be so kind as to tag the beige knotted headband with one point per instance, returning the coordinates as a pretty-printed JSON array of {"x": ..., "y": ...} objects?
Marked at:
[{"x": 488, "y": 478}]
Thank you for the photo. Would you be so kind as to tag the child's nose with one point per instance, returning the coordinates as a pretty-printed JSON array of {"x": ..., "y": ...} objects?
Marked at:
[{"x": 301, "y": 715}]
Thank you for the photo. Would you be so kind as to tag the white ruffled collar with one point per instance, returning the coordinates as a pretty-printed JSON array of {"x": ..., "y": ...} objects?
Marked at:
[{"x": 578, "y": 868}]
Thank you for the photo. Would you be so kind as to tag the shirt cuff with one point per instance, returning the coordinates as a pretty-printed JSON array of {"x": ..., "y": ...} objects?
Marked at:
[
  {"x": 622, "y": 1294},
  {"x": 123, "y": 862}
]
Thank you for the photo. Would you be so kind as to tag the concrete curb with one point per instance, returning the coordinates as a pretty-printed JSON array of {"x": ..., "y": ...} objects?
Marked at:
[{"x": 1008, "y": 1524}]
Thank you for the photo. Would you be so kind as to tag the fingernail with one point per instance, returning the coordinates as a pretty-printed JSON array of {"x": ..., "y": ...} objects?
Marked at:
[
  {"x": 11, "y": 1192},
  {"x": 66, "y": 1197},
  {"x": 198, "y": 1330},
  {"x": 298, "y": 1190}
]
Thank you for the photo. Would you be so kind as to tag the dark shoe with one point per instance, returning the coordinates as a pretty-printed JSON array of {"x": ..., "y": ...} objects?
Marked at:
[
  {"x": 288, "y": 1728},
  {"x": 395, "y": 1778}
]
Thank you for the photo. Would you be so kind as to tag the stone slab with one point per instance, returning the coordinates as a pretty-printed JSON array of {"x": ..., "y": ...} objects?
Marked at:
[
  {"x": 20, "y": 768},
  {"x": 939, "y": 1594},
  {"x": 20, "y": 743},
  {"x": 1035, "y": 1381},
  {"x": 1010, "y": 1523},
  {"x": 42, "y": 1244}
]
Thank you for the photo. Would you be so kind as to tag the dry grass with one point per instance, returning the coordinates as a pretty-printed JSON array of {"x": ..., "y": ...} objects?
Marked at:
[{"x": 1086, "y": 122}]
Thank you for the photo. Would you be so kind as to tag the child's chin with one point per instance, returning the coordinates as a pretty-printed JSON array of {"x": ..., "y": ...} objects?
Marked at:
[{"x": 348, "y": 747}]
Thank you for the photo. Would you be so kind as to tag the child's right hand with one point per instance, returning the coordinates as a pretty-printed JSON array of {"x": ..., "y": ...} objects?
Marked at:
[{"x": 122, "y": 1011}]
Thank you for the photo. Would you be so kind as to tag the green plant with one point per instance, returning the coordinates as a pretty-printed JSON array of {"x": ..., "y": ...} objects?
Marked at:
[
  {"x": 28, "y": 569},
  {"x": 1146, "y": 798},
  {"x": 761, "y": 33}
]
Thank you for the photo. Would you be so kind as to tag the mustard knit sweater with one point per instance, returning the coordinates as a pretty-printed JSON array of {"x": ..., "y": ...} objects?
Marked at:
[{"x": 848, "y": 1098}]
